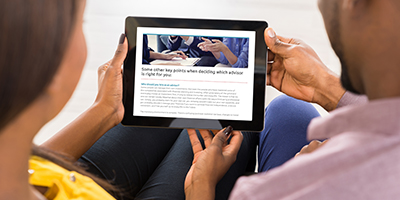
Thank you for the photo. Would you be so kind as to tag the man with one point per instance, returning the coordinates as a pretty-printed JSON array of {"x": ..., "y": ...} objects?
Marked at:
[{"x": 361, "y": 160}]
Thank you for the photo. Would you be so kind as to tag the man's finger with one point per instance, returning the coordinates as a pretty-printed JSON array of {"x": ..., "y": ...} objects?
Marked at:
[
  {"x": 286, "y": 40},
  {"x": 304, "y": 149},
  {"x": 274, "y": 43},
  {"x": 182, "y": 55},
  {"x": 194, "y": 140},
  {"x": 271, "y": 56},
  {"x": 120, "y": 53}
]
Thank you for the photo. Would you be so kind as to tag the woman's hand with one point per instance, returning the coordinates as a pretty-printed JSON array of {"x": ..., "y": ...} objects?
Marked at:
[
  {"x": 109, "y": 96},
  {"x": 77, "y": 137},
  {"x": 214, "y": 46},
  {"x": 211, "y": 164},
  {"x": 203, "y": 45},
  {"x": 217, "y": 46},
  {"x": 296, "y": 70}
]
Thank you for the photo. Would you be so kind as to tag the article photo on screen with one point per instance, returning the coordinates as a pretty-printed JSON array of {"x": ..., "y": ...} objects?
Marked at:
[{"x": 178, "y": 75}]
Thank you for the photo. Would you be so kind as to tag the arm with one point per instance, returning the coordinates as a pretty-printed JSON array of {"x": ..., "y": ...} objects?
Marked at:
[
  {"x": 146, "y": 49},
  {"x": 297, "y": 71},
  {"x": 243, "y": 57},
  {"x": 219, "y": 52},
  {"x": 107, "y": 111},
  {"x": 206, "y": 47},
  {"x": 195, "y": 50},
  {"x": 224, "y": 55},
  {"x": 350, "y": 98},
  {"x": 229, "y": 56}
]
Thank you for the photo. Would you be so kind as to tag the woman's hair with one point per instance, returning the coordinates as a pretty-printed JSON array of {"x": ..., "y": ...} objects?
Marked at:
[{"x": 33, "y": 37}]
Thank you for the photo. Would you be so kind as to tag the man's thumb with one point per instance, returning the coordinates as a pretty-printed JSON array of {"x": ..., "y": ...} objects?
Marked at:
[{"x": 274, "y": 43}]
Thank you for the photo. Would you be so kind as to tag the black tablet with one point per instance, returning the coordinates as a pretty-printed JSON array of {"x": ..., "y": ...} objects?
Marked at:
[{"x": 195, "y": 73}]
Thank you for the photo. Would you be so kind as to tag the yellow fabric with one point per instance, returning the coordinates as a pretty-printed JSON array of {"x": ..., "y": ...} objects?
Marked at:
[{"x": 64, "y": 184}]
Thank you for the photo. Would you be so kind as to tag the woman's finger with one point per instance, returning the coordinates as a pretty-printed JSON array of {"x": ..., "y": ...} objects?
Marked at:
[
  {"x": 215, "y": 132},
  {"x": 103, "y": 68},
  {"x": 205, "y": 39},
  {"x": 207, "y": 137},
  {"x": 120, "y": 53},
  {"x": 194, "y": 140},
  {"x": 216, "y": 41},
  {"x": 101, "y": 72},
  {"x": 235, "y": 143}
]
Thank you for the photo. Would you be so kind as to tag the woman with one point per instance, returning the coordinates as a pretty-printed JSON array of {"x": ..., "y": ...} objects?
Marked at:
[{"x": 42, "y": 54}]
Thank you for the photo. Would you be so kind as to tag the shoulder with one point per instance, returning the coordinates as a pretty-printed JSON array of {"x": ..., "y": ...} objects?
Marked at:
[
  {"x": 344, "y": 168},
  {"x": 63, "y": 184}
]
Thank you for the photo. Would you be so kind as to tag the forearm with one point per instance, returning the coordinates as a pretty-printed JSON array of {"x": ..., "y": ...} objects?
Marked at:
[
  {"x": 155, "y": 55},
  {"x": 217, "y": 55},
  {"x": 200, "y": 191},
  {"x": 329, "y": 92},
  {"x": 232, "y": 59},
  {"x": 77, "y": 137}
]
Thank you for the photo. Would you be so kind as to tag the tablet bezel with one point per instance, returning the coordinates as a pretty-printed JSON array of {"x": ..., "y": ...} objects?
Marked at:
[{"x": 257, "y": 124}]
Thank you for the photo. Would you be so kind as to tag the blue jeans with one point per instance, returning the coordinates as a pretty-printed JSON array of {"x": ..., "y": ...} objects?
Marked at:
[
  {"x": 150, "y": 163},
  {"x": 285, "y": 132}
]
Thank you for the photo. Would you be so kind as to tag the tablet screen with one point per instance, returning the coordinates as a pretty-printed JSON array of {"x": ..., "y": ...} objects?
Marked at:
[
  {"x": 192, "y": 87},
  {"x": 194, "y": 73}
]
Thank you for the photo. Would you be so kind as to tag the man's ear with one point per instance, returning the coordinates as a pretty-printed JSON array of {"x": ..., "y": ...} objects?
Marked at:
[
  {"x": 353, "y": 4},
  {"x": 357, "y": 10}
]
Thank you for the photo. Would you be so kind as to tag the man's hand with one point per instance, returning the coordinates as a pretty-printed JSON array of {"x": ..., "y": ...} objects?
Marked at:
[
  {"x": 296, "y": 70},
  {"x": 211, "y": 164},
  {"x": 174, "y": 54},
  {"x": 314, "y": 145}
]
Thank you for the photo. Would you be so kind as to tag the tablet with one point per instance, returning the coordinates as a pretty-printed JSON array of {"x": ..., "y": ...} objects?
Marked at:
[{"x": 195, "y": 73}]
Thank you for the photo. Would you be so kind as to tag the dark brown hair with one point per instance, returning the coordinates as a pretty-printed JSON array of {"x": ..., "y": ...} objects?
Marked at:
[{"x": 33, "y": 38}]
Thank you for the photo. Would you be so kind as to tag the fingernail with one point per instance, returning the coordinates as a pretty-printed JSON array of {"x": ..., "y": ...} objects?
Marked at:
[
  {"x": 228, "y": 130},
  {"x": 122, "y": 38},
  {"x": 271, "y": 33}
]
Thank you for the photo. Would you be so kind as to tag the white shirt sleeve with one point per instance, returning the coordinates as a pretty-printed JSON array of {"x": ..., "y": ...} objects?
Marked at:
[
  {"x": 189, "y": 41},
  {"x": 173, "y": 40}
]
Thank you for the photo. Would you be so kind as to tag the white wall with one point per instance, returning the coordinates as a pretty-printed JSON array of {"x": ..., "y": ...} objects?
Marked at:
[{"x": 104, "y": 22}]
